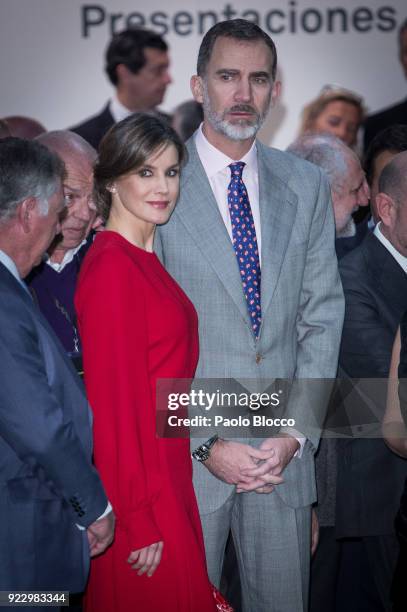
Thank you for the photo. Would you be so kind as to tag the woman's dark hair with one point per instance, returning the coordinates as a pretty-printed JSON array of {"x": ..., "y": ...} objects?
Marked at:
[{"x": 126, "y": 147}]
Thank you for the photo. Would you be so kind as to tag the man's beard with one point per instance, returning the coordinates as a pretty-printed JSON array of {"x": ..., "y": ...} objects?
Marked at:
[
  {"x": 241, "y": 129},
  {"x": 348, "y": 230}
]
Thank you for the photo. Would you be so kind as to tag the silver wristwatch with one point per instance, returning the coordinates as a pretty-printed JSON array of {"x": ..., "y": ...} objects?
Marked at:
[{"x": 202, "y": 452}]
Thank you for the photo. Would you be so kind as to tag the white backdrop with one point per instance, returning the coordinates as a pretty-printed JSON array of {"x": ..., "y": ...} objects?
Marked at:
[{"x": 52, "y": 52}]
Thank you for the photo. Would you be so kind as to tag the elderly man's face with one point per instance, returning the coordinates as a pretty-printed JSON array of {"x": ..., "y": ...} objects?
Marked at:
[
  {"x": 81, "y": 211},
  {"x": 354, "y": 194},
  {"x": 46, "y": 227},
  {"x": 237, "y": 88}
]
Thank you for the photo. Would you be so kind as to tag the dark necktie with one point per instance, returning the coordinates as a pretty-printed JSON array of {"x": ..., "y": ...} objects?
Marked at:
[{"x": 245, "y": 243}]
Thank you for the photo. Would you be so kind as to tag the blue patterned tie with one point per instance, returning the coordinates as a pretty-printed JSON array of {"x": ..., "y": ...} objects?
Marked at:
[{"x": 245, "y": 243}]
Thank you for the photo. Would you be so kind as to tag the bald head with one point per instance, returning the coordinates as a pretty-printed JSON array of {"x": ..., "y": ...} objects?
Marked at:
[
  {"x": 79, "y": 158},
  {"x": 4, "y": 129},
  {"x": 345, "y": 175},
  {"x": 393, "y": 179},
  {"x": 391, "y": 202},
  {"x": 64, "y": 142},
  {"x": 24, "y": 127}
]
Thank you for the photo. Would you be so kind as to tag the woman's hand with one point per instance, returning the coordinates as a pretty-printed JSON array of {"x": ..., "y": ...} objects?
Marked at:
[{"x": 146, "y": 559}]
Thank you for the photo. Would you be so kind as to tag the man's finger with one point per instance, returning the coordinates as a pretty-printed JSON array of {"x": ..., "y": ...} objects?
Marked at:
[{"x": 262, "y": 454}]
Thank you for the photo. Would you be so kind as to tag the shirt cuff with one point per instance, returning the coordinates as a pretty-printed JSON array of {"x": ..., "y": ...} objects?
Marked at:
[
  {"x": 106, "y": 512},
  {"x": 301, "y": 439}
]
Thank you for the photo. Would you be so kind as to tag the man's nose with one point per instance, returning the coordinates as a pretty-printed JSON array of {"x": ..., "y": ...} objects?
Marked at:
[
  {"x": 167, "y": 78},
  {"x": 84, "y": 210},
  {"x": 364, "y": 194},
  {"x": 243, "y": 91}
]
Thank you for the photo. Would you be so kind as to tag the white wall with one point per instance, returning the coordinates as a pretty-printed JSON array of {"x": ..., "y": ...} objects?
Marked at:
[{"x": 49, "y": 70}]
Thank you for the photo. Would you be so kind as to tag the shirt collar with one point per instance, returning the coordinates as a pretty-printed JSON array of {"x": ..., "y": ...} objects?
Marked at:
[
  {"x": 10, "y": 265},
  {"x": 12, "y": 268},
  {"x": 215, "y": 161},
  {"x": 401, "y": 259},
  {"x": 68, "y": 257},
  {"x": 118, "y": 110}
]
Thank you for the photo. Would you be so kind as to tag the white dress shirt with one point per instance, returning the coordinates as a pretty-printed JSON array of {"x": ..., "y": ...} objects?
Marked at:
[
  {"x": 401, "y": 259},
  {"x": 216, "y": 164},
  {"x": 117, "y": 110},
  {"x": 68, "y": 257}
]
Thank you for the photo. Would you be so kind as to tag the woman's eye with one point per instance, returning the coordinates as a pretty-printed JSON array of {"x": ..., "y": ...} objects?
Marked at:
[
  {"x": 145, "y": 172},
  {"x": 173, "y": 172}
]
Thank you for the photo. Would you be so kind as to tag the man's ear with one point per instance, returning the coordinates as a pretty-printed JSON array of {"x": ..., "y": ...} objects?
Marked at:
[
  {"x": 385, "y": 208},
  {"x": 122, "y": 73},
  {"x": 26, "y": 212},
  {"x": 275, "y": 92},
  {"x": 197, "y": 88}
]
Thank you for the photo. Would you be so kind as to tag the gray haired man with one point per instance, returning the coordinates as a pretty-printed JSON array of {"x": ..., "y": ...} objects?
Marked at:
[
  {"x": 53, "y": 508},
  {"x": 291, "y": 328}
]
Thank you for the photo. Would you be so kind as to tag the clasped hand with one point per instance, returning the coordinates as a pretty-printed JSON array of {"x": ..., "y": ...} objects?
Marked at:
[{"x": 249, "y": 468}]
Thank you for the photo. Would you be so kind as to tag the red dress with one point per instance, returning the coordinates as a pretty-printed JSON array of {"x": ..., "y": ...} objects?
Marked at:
[{"x": 137, "y": 325}]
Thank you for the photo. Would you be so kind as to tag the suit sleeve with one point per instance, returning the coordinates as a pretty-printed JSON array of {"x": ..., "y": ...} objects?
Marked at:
[
  {"x": 33, "y": 423},
  {"x": 112, "y": 317},
  {"x": 319, "y": 322}
]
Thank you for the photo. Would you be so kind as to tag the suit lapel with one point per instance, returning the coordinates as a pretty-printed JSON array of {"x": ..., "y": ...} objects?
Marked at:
[
  {"x": 199, "y": 213},
  {"x": 278, "y": 207}
]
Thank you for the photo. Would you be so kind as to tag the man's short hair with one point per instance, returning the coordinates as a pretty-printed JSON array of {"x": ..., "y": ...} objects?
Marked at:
[
  {"x": 127, "y": 47},
  {"x": 393, "y": 138},
  {"x": 28, "y": 169},
  {"x": 238, "y": 29},
  {"x": 393, "y": 179},
  {"x": 327, "y": 152}
]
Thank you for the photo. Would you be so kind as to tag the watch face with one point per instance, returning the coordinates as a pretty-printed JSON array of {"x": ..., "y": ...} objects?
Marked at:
[{"x": 201, "y": 454}]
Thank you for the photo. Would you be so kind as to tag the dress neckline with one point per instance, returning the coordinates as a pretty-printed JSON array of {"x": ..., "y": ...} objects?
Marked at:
[{"x": 120, "y": 238}]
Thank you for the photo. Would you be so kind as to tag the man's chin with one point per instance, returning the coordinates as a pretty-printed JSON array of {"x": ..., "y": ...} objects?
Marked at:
[{"x": 239, "y": 130}]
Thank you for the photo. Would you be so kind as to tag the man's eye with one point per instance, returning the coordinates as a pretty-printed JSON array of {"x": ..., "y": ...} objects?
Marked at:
[
  {"x": 69, "y": 198},
  {"x": 226, "y": 77},
  {"x": 260, "y": 80}
]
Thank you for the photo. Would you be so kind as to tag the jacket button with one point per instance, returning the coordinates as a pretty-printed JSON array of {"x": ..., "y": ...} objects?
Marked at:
[{"x": 258, "y": 358}]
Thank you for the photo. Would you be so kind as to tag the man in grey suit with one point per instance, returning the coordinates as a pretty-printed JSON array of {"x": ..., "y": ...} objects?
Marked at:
[
  {"x": 284, "y": 320},
  {"x": 53, "y": 508}
]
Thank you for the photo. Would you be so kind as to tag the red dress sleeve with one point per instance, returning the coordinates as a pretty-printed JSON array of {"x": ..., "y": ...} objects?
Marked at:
[{"x": 112, "y": 317}]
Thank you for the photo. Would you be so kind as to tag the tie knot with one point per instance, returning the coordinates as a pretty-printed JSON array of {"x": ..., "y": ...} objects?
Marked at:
[{"x": 236, "y": 169}]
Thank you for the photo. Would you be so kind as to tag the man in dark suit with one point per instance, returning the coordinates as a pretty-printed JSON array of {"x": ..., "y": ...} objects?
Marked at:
[
  {"x": 383, "y": 148},
  {"x": 395, "y": 114},
  {"x": 53, "y": 509},
  {"x": 370, "y": 476},
  {"x": 137, "y": 65},
  {"x": 346, "y": 178}
]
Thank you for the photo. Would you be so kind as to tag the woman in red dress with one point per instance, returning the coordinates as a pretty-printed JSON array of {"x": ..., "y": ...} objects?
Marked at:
[{"x": 138, "y": 326}]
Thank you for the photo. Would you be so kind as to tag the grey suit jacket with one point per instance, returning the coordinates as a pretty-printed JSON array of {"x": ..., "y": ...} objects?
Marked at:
[
  {"x": 301, "y": 295},
  {"x": 47, "y": 482}
]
